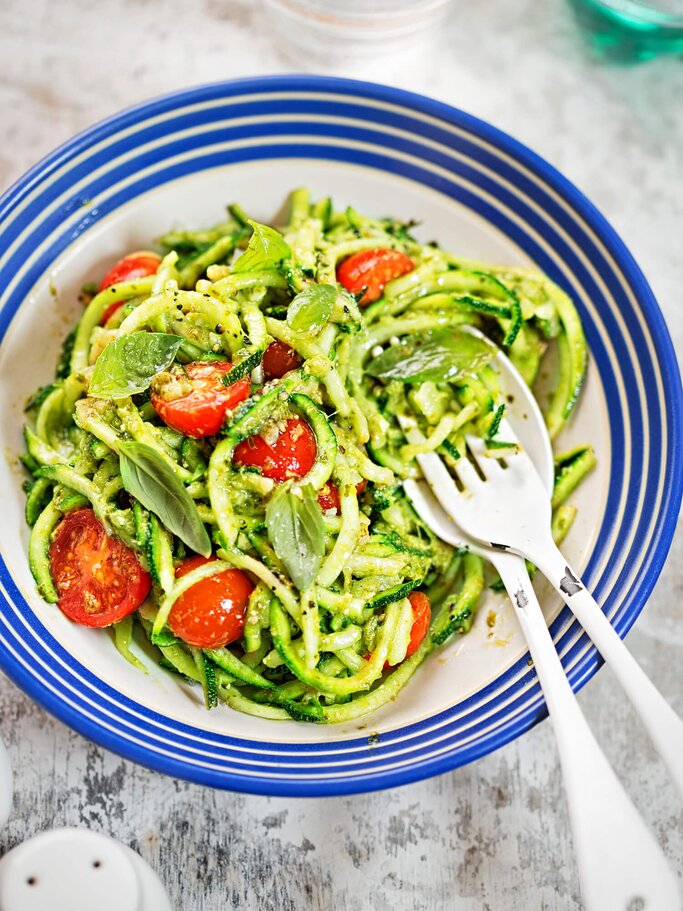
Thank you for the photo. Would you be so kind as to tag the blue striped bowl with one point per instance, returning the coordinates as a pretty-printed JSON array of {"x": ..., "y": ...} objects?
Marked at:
[{"x": 178, "y": 160}]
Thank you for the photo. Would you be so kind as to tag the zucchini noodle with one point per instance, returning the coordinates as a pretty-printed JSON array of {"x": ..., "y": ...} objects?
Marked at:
[{"x": 330, "y": 625}]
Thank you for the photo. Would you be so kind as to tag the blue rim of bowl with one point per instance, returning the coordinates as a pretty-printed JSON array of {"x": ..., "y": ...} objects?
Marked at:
[{"x": 581, "y": 661}]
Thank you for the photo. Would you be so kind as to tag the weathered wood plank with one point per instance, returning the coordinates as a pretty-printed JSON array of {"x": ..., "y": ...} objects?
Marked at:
[{"x": 489, "y": 837}]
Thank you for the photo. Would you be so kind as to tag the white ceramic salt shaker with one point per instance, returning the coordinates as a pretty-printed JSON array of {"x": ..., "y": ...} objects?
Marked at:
[
  {"x": 78, "y": 870},
  {"x": 73, "y": 869}
]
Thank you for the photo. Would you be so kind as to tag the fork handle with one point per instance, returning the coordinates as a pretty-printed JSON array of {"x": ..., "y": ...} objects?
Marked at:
[
  {"x": 661, "y": 722},
  {"x": 618, "y": 859}
]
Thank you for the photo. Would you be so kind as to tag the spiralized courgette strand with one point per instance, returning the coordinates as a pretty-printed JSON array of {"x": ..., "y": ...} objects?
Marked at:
[{"x": 327, "y": 635}]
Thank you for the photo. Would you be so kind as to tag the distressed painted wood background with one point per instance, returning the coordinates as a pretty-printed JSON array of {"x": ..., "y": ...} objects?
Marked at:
[{"x": 489, "y": 837}]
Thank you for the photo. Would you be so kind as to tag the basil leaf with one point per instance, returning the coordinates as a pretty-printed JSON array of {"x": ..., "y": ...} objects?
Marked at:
[
  {"x": 130, "y": 362},
  {"x": 439, "y": 355},
  {"x": 147, "y": 476},
  {"x": 266, "y": 250},
  {"x": 297, "y": 533},
  {"x": 311, "y": 308}
]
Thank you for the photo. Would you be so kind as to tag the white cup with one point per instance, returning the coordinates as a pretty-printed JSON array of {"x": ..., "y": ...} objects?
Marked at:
[{"x": 341, "y": 35}]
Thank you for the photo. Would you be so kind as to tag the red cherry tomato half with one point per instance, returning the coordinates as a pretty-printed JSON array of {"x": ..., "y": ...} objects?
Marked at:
[
  {"x": 328, "y": 496},
  {"x": 211, "y": 613},
  {"x": 134, "y": 265},
  {"x": 291, "y": 455},
  {"x": 370, "y": 270},
  {"x": 422, "y": 612},
  {"x": 422, "y": 616},
  {"x": 278, "y": 359},
  {"x": 194, "y": 400},
  {"x": 109, "y": 311},
  {"x": 98, "y": 579}
]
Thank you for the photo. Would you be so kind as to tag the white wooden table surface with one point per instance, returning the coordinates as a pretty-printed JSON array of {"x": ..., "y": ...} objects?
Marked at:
[{"x": 489, "y": 837}]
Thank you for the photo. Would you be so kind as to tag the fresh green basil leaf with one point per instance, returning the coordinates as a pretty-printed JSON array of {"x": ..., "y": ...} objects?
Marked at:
[
  {"x": 147, "y": 476},
  {"x": 266, "y": 250},
  {"x": 311, "y": 308},
  {"x": 297, "y": 533},
  {"x": 129, "y": 364},
  {"x": 439, "y": 355}
]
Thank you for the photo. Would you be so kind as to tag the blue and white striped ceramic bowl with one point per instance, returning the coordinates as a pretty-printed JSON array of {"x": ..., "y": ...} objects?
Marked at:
[{"x": 178, "y": 161}]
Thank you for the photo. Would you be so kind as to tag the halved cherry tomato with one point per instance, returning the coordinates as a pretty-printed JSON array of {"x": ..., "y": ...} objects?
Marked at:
[
  {"x": 422, "y": 616},
  {"x": 278, "y": 359},
  {"x": 211, "y": 613},
  {"x": 370, "y": 270},
  {"x": 422, "y": 612},
  {"x": 291, "y": 455},
  {"x": 134, "y": 265},
  {"x": 328, "y": 496},
  {"x": 193, "y": 400},
  {"x": 98, "y": 578}
]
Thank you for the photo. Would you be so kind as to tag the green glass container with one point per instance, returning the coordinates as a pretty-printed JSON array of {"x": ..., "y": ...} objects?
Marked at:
[{"x": 630, "y": 30}]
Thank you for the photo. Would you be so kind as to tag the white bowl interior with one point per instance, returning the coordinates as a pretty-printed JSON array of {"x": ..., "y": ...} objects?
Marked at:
[{"x": 27, "y": 360}]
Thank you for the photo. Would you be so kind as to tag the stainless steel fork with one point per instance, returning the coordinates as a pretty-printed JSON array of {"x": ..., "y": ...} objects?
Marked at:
[{"x": 621, "y": 866}]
